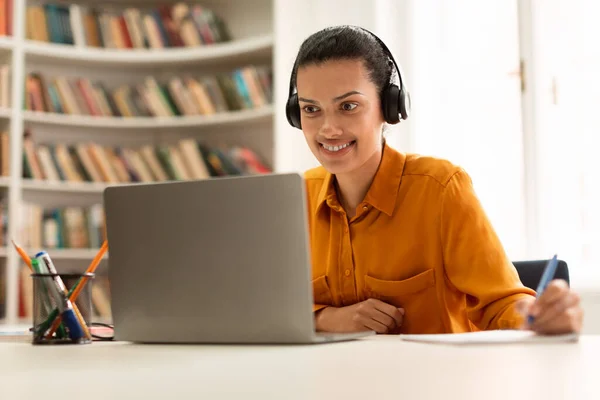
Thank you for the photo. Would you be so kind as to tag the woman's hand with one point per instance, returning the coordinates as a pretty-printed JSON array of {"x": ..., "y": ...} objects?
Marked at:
[
  {"x": 556, "y": 311},
  {"x": 369, "y": 315}
]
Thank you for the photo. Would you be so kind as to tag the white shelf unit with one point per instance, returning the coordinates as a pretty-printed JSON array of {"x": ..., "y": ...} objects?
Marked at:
[{"x": 251, "y": 27}]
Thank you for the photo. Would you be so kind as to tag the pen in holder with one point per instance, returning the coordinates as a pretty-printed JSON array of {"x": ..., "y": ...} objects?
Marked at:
[{"x": 51, "y": 304}]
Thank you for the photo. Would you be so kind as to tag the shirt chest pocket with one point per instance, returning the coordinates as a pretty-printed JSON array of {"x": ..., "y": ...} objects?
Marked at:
[{"x": 416, "y": 295}]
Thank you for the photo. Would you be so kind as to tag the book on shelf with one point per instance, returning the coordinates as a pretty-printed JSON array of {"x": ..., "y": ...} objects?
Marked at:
[
  {"x": 243, "y": 88},
  {"x": 71, "y": 227},
  {"x": 5, "y": 86},
  {"x": 6, "y": 13},
  {"x": 170, "y": 25},
  {"x": 185, "y": 159}
]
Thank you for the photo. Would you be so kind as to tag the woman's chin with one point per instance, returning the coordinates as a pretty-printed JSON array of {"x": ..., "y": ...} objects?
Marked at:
[{"x": 338, "y": 167}]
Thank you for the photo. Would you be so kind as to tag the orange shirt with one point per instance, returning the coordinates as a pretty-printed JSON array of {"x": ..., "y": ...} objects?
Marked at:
[{"x": 420, "y": 240}]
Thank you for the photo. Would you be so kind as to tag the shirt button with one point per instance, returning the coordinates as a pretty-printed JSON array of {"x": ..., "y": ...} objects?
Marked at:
[
  {"x": 347, "y": 272},
  {"x": 365, "y": 208}
]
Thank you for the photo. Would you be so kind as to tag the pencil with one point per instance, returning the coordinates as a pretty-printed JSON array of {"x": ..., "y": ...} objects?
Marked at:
[
  {"x": 27, "y": 261},
  {"x": 79, "y": 285},
  {"x": 23, "y": 255}
]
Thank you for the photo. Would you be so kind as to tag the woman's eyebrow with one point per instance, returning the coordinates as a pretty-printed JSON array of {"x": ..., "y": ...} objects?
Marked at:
[
  {"x": 350, "y": 93},
  {"x": 337, "y": 98}
]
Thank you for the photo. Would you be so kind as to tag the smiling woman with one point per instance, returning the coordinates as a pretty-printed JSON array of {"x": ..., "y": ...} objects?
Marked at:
[{"x": 400, "y": 242}]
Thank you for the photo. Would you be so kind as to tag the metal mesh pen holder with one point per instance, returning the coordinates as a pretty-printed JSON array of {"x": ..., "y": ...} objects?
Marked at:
[{"x": 56, "y": 319}]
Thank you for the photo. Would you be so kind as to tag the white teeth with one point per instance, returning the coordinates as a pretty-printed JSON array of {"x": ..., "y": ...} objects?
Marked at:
[{"x": 336, "y": 148}]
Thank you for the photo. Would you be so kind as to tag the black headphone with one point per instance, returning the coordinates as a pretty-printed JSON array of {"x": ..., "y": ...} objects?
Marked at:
[{"x": 395, "y": 101}]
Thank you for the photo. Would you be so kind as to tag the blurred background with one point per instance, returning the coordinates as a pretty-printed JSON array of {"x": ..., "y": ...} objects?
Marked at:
[{"x": 134, "y": 90}]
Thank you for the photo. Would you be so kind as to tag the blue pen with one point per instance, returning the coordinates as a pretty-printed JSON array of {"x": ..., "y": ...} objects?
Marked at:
[{"x": 546, "y": 278}]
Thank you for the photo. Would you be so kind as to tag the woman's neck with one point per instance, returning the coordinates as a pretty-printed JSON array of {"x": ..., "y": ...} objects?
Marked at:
[{"x": 352, "y": 187}]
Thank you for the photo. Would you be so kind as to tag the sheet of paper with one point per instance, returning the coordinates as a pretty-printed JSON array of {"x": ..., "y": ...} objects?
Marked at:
[{"x": 490, "y": 337}]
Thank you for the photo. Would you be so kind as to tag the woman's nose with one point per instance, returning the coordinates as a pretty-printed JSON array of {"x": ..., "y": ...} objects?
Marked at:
[{"x": 330, "y": 126}]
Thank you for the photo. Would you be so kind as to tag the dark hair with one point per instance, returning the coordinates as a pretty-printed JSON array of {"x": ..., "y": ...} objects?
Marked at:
[{"x": 346, "y": 43}]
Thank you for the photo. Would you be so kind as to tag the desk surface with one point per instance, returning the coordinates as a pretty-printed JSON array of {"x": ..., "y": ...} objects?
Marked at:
[{"x": 381, "y": 367}]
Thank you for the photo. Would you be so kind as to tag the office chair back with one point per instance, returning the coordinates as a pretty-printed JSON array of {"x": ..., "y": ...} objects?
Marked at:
[{"x": 530, "y": 272}]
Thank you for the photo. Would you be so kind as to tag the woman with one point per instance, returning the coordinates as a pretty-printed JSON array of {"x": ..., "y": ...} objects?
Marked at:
[{"x": 399, "y": 242}]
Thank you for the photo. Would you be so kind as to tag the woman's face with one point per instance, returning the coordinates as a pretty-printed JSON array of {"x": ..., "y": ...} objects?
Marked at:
[{"x": 340, "y": 114}]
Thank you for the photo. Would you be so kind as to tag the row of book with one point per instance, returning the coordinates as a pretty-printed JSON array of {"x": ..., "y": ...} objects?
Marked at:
[
  {"x": 187, "y": 159},
  {"x": 6, "y": 12},
  {"x": 4, "y": 85},
  {"x": 243, "y": 88},
  {"x": 4, "y": 154},
  {"x": 62, "y": 228},
  {"x": 68, "y": 227},
  {"x": 100, "y": 286},
  {"x": 169, "y": 25}
]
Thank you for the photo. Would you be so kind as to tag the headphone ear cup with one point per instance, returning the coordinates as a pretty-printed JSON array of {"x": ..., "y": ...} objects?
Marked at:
[
  {"x": 292, "y": 111},
  {"x": 404, "y": 104},
  {"x": 389, "y": 103}
]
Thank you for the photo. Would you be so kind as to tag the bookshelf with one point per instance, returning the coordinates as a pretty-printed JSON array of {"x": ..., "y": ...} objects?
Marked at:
[
  {"x": 250, "y": 26},
  {"x": 222, "y": 52}
]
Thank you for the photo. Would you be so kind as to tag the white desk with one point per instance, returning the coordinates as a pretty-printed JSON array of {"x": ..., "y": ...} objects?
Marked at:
[{"x": 369, "y": 369}]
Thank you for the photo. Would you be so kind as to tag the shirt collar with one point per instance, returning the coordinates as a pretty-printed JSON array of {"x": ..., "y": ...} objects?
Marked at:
[{"x": 383, "y": 191}]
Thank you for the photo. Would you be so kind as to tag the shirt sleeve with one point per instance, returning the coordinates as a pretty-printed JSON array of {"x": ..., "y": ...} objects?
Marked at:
[{"x": 475, "y": 261}]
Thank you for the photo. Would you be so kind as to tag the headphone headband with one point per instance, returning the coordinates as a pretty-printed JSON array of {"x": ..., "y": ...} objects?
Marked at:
[{"x": 386, "y": 50}]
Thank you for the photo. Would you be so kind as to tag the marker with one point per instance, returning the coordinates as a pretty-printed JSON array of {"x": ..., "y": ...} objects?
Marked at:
[{"x": 545, "y": 280}]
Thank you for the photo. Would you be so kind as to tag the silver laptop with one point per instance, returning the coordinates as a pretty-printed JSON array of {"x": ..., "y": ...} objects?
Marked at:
[{"x": 223, "y": 260}]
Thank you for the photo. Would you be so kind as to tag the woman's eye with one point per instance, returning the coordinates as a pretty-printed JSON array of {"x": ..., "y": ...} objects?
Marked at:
[
  {"x": 349, "y": 106},
  {"x": 310, "y": 109}
]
